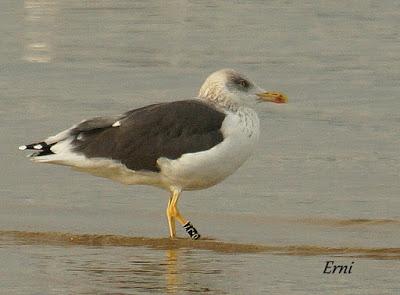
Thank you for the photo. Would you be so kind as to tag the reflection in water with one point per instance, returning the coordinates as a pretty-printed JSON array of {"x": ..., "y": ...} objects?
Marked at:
[
  {"x": 39, "y": 27},
  {"x": 172, "y": 278}
]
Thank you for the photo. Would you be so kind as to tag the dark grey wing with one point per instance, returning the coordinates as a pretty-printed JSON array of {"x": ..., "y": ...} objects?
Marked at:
[{"x": 162, "y": 130}]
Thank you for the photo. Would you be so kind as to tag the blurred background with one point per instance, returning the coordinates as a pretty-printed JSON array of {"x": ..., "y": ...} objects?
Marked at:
[{"x": 326, "y": 171}]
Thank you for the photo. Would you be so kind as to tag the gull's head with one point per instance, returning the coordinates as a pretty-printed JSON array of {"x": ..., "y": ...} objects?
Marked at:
[{"x": 230, "y": 87}]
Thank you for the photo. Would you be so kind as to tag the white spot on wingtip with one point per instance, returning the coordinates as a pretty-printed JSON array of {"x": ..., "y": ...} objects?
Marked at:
[
  {"x": 116, "y": 124},
  {"x": 38, "y": 147},
  {"x": 22, "y": 147}
]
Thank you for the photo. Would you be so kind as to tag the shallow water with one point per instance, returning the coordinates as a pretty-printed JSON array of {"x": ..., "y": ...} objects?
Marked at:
[{"x": 323, "y": 184}]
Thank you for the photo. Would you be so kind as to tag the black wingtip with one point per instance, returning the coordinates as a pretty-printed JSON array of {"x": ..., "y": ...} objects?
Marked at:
[
  {"x": 42, "y": 148},
  {"x": 35, "y": 146}
]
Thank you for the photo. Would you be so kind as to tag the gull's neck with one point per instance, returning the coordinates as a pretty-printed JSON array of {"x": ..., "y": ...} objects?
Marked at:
[
  {"x": 220, "y": 99},
  {"x": 225, "y": 104}
]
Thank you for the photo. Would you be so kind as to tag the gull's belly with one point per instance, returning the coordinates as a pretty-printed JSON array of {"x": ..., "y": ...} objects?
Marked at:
[
  {"x": 204, "y": 169},
  {"x": 207, "y": 168}
]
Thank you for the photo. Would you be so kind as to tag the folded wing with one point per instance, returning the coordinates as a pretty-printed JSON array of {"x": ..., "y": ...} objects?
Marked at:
[{"x": 139, "y": 137}]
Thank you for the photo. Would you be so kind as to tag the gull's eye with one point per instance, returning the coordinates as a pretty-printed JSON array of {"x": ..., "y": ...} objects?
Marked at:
[
  {"x": 240, "y": 82},
  {"x": 244, "y": 83}
]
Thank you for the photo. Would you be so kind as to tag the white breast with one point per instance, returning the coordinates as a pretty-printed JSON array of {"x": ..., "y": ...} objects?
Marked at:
[{"x": 204, "y": 169}]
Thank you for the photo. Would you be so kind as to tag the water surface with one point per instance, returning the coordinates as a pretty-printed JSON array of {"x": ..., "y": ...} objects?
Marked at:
[{"x": 323, "y": 184}]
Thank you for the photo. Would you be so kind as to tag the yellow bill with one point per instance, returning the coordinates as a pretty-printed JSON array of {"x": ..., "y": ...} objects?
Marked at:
[{"x": 275, "y": 97}]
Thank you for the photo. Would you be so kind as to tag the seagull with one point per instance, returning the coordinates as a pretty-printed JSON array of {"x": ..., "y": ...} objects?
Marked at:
[{"x": 176, "y": 146}]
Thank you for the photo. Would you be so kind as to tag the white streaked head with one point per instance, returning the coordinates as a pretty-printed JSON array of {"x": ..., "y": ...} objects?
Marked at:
[{"x": 228, "y": 87}]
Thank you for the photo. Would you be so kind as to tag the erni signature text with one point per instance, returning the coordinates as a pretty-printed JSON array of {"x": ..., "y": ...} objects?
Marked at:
[{"x": 332, "y": 268}]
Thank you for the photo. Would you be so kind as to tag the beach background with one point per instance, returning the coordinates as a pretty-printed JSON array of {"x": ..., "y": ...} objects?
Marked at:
[{"x": 323, "y": 184}]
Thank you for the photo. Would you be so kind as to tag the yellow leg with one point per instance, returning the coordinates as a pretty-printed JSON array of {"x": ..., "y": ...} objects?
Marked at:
[
  {"x": 174, "y": 204},
  {"x": 173, "y": 213},
  {"x": 171, "y": 218}
]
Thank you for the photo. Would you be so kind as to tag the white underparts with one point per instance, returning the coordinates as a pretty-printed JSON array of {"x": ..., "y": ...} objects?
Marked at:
[{"x": 203, "y": 169}]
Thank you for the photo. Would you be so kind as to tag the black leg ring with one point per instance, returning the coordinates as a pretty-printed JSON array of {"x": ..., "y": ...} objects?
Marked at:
[{"x": 192, "y": 232}]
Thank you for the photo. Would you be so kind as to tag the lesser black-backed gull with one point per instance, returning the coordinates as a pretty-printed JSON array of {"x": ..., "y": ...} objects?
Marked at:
[{"x": 181, "y": 145}]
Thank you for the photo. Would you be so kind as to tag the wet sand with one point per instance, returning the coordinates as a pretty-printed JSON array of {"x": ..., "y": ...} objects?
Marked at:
[{"x": 68, "y": 239}]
